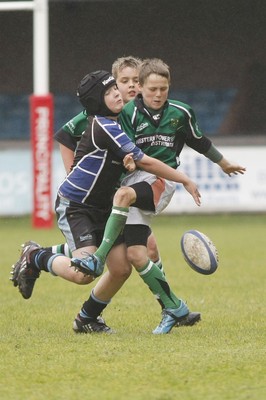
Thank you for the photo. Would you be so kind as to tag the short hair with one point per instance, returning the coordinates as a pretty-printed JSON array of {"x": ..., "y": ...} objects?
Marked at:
[
  {"x": 123, "y": 62},
  {"x": 153, "y": 66}
]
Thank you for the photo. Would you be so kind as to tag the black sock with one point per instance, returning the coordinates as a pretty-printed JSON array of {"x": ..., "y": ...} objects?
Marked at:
[
  {"x": 39, "y": 258},
  {"x": 92, "y": 307}
]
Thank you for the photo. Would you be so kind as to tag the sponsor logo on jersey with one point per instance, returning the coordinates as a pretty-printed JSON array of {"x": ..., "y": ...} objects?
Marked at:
[
  {"x": 142, "y": 126},
  {"x": 156, "y": 140},
  {"x": 174, "y": 122},
  {"x": 106, "y": 81}
]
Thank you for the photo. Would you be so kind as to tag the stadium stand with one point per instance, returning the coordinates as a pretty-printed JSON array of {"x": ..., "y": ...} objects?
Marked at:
[{"x": 210, "y": 107}]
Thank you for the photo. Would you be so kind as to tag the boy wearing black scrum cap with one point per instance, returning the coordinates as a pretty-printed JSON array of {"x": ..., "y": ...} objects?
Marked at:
[{"x": 85, "y": 198}]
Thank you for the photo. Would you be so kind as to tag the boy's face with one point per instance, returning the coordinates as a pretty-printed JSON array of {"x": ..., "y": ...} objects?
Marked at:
[
  {"x": 127, "y": 82},
  {"x": 155, "y": 91},
  {"x": 113, "y": 99}
]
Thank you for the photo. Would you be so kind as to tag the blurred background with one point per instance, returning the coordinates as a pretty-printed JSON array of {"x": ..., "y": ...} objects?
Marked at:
[{"x": 216, "y": 50}]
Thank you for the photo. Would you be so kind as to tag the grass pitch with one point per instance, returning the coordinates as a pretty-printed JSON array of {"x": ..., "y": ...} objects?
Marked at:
[{"x": 221, "y": 358}]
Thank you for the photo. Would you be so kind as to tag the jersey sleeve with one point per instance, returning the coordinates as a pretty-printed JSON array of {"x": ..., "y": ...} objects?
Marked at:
[
  {"x": 64, "y": 138},
  {"x": 70, "y": 133},
  {"x": 125, "y": 119},
  {"x": 77, "y": 125},
  {"x": 201, "y": 144},
  {"x": 194, "y": 137},
  {"x": 112, "y": 136}
]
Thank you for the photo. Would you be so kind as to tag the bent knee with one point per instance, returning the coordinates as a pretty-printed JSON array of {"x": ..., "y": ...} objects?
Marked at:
[
  {"x": 124, "y": 197},
  {"x": 153, "y": 251},
  {"x": 153, "y": 254},
  {"x": 121, "y": 274},
  {"x": 137, "y": 255}
]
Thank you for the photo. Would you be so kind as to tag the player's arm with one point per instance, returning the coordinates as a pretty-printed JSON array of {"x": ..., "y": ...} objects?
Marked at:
[
  {"x": 231, "y": 168},
  {"x": 67, "y": 157},
  {"x": 118, "y": 141},
  {"x": 68, "y": 137},
  {"x": 158, "y": 168},
  {"x": 67, "y": 147},
  {"x": 202, "y": 144}
]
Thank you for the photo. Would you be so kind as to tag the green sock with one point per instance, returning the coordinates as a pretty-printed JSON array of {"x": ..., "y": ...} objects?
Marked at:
[
  {"x": 155, "y": 279},
  {"x": 113, "y": 228},
  {"x": 159, "y": 265}
]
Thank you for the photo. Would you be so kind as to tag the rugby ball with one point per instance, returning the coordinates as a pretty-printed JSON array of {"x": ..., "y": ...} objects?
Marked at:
[{"x": 199, "y": 252}]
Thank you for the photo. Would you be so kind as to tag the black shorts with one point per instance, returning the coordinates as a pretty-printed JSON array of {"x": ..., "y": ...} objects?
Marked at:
[
  {"x": 145, "y": 196},
  {"x": 82, "y": 225},
  {"x": 138, "y": 234}
]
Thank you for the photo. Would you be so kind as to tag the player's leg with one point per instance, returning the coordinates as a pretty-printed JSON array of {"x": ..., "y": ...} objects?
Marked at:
[
  {"x": 147, "y": 192},
  {"x": 114, "y": 225},
  {"x": 87, "y": 320},
  {"x": 119, "y": 270},
  {"x": 174, "y": 311},
  {"x": 155, "y": 196},
  {"x": 79, "y": 229},
  {"x": 153, "y": 251},
  {"x": 79, "y": 232},
  {"x": 136, "y": 239},
  {"x": 34, "y": 259},
  {"x": 123, "y": 198},
  {"x": 62, "y": 248}
]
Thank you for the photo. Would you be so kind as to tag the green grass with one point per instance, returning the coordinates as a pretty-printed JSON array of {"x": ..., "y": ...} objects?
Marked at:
[{"x": 223, "y": 357}]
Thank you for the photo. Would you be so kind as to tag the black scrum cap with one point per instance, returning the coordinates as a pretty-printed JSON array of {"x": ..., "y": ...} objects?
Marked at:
[{"x": 91, "y": 92}]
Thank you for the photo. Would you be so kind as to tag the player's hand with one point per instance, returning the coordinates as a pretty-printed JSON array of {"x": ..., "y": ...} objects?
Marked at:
[
  {"x": 129, "y": 163},
  {"x": 229, "y": 168},
  {"x": 191, "y": 187}
]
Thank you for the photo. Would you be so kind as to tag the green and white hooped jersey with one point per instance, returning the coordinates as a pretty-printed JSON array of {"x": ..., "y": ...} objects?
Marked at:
[
  {"x": 70, "y": 133},
  {"x": 163, "y": 135},
  {"x": 77, "y": 125}
]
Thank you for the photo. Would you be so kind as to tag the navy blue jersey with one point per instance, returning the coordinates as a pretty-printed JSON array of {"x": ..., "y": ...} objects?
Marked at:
[{"x": 98, "y": 164}]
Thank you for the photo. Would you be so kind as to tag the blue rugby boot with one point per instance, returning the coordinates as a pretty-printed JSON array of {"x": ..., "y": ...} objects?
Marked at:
[
  {"x": 176, "y": 317},
  {"x": 90, "y": 265}
]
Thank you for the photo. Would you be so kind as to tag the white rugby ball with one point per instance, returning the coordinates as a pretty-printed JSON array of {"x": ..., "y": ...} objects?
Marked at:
[{"x": 199, "y": 252}]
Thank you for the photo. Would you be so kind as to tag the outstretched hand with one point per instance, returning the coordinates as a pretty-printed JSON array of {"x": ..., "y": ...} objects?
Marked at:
[
  {"x": 229, "y": 168},
  {"x": 191, "y": 187},
  {"x": 129, "y": 163}
]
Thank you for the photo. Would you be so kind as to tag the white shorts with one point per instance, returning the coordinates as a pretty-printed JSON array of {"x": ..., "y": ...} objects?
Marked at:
[{"x": 163, "y": 193}]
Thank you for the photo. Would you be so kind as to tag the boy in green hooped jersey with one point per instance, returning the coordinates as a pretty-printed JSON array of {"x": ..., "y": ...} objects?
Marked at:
[{"x": 160, "y": 127}]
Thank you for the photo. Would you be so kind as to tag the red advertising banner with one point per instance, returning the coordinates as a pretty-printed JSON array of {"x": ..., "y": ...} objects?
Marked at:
[{"x": 42, "y": 120}]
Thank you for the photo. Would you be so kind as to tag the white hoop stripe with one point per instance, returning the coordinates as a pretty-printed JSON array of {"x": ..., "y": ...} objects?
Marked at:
[
  {"x": 149, "y": 266},
  {"x": 120, "y": 212}
]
